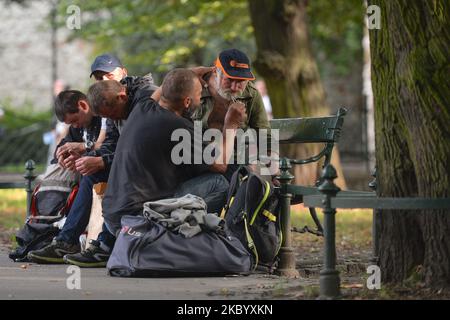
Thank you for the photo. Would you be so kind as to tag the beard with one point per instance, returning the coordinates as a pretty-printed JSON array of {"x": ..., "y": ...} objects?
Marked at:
[
  {"x": 189, "y": 112},
  {"x": 225, "y": 93}
]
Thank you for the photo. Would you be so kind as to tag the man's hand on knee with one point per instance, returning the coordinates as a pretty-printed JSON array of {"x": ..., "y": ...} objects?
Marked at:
[{"x": 89, "y": 165}]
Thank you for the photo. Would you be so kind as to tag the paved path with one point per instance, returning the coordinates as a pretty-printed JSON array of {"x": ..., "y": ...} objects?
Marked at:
[{"x": 33, "y": 281}]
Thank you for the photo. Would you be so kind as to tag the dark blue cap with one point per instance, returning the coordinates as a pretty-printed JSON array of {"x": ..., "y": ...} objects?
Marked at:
[
  {"x": 106, "y": 63},
  {"x": 235, "y": 64}
]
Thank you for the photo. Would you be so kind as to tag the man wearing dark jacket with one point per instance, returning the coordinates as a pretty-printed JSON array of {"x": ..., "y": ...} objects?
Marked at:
[
  {"x": 73, "y": 152},
  {"x": 72, "y": 108}
]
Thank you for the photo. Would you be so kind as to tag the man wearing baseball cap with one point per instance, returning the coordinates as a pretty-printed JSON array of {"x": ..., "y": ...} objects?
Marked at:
[
  {"x": 108, "y": 67},
  {"x": 230, "y": 82}
]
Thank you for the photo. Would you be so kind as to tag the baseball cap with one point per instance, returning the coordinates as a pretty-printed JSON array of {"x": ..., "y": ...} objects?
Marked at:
[
  {"x": 235, "y": 64},
  {"x": 106, "y": 63}
]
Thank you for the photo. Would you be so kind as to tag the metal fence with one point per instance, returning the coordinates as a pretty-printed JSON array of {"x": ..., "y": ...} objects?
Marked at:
[
  {"x": 19, "y": 145},
  {"x": 329, "y": 197}
]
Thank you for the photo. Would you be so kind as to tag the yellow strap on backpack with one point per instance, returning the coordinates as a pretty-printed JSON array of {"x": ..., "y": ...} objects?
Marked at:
[
  {"x": 269, "y": 215},
  {"x": 226, "y": 207},
  {"x": 251, "y": 243}
]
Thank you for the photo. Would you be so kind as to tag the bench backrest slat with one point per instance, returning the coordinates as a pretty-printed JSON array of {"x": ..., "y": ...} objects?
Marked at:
[{"x": 309, "y": 130}]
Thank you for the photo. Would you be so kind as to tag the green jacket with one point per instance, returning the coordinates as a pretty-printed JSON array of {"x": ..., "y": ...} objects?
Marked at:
[{"x": 256, "y": 114}]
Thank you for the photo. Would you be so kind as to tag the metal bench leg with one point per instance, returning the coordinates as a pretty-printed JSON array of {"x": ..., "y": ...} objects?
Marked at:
[
  {"x": 286, "y": 266},
  {"x": 329, "y": 276}
]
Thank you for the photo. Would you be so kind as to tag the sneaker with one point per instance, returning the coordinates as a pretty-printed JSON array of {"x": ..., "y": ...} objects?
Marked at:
[
  {"x": 54, "y": 252},
  {"x": 92, "y": 257}
]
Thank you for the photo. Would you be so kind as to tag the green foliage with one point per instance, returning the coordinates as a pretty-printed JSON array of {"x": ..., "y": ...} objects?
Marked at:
[
  {"x": 152, "y": 35},
  {"x": 336, "y": 30},
  {"x": 22, "y": 116},
  {"x": 21, "y": 139},
  {"x": 160, "y": 35}
]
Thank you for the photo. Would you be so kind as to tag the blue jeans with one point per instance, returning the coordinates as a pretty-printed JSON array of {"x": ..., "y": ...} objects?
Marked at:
[
  {"x": 78, "y": 216},
  {"x": 212, "y": 187}
]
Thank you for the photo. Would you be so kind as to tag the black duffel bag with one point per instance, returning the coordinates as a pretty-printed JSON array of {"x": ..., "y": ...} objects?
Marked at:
[{"x": 147, "y": 248}]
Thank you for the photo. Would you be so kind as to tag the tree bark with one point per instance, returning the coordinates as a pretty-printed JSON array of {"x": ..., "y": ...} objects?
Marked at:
[
  {"x": 286, "y": 63},
  {"x": 410, "y": 78}
]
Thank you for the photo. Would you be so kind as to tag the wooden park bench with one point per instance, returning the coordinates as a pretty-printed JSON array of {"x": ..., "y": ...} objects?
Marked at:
[{"x": 324, "y": 130}]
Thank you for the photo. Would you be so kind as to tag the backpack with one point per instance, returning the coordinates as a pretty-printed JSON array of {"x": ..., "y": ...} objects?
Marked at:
[
  {"x": 252, "y": 215},
  {"x": 51, "y": 201}
]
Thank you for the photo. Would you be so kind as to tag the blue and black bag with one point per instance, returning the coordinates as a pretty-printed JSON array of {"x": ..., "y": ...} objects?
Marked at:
[{"x": 145, "y": 248}]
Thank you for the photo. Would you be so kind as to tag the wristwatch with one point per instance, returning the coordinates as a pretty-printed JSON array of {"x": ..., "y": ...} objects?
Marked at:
[{"x": 89, "y": 145}]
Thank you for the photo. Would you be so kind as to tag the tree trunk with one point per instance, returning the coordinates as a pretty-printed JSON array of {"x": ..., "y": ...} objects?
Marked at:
[
  {"x": 410, "y": 78},
  {"x": 286, "y": 63}
]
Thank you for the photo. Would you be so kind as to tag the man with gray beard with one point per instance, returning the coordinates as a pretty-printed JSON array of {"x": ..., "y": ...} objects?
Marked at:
[{"x": 228, "y": 82}]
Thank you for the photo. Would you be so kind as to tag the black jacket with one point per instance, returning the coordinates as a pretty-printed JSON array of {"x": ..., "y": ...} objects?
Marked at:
[
  {"x": 138, "y": 88},
  {"x": 77, "y": 134}
]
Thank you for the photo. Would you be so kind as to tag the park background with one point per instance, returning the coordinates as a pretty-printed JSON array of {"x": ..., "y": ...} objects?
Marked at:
[{"x": 42, "y": 51}]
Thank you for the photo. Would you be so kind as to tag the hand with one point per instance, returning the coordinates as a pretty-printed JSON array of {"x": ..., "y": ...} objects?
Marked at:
[
  {"x": 200, "y": 72},
  {"x": 261, "y": 169},
  {"x": 61, "y": 160},
  {"x": 275, "y": 181},
  {"x": 89, "y": 165},
  {"x": 70, "y": 148},
  {"x": 69, "y": 162},
  {"x": 236, "y": 116},
  {"x": 157, "y": 94}
]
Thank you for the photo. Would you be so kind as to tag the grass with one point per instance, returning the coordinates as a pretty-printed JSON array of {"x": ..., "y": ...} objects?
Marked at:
[
  {"x": 12, "y": 208},
  {"x": 353, "y": 226},
  {"x": 20, "y": 168}
]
